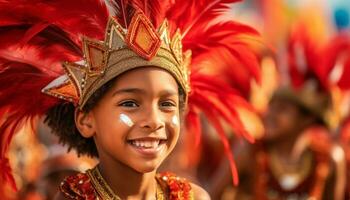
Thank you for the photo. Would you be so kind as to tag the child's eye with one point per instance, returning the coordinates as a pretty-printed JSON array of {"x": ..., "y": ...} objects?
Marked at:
[
  {"x": 128, "y": 104},
  {"x": 167, "y": 104}
]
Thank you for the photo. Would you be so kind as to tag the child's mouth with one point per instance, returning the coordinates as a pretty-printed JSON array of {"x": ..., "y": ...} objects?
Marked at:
[{"x": 148, "y": 146}]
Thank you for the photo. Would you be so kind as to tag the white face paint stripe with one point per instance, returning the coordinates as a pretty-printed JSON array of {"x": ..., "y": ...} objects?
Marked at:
[
  {"x": 175, "y": 120},
  {"x": 126, "y": 120}
]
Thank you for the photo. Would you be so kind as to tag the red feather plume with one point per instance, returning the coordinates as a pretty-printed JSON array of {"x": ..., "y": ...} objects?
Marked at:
[
  {"x": 328, "y": 63},
  {"x": 155, "y": 10},
  {"x": 303, "y": 58},
  {"x": 335, "y": 57},
  {"x": 35, "y": 37},
  {"x": 189, "y": 15},
  {"x": 220, "y": 57}
]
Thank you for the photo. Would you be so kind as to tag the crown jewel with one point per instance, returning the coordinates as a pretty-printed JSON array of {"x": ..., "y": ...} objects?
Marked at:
[{"x": 138, "y": 46}]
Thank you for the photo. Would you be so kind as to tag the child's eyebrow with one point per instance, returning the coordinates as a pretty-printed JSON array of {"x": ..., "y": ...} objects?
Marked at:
[{"x": 168, "y": 93}]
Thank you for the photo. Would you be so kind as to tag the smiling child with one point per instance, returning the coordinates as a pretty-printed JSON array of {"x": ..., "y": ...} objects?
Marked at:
[{"x": 130, "y": 82}]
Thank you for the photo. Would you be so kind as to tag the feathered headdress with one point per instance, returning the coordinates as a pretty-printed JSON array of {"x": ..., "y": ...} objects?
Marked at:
[
  {"x": 37, "y": 36},
  {"x": 302, "y": 57},
  {"x": 335, "y": 65},
  {"x": 317, "y": 72}
]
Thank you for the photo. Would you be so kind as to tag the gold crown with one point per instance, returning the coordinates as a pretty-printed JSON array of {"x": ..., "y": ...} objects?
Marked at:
[{"x": 122, "y": 50}]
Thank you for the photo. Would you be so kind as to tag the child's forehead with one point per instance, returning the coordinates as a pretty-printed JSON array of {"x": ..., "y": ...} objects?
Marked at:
[
  {"x": 143, "y": 79},
  {"x": 143, "y": 70},
  {"x": 147, "y": 92}
]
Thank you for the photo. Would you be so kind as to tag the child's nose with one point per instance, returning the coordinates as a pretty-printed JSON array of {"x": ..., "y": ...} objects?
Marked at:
[{"x": 152, "y": 119}]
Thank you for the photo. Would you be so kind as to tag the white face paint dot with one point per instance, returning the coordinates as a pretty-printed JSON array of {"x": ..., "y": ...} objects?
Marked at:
[
  {"x": 126, "y": 120},
  {"x": 175, "y": 120}
]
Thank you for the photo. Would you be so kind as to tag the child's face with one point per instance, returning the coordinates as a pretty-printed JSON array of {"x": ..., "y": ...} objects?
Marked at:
[
  {"x": 137, "y": 121},
  {"x": 282, "y": 119}
]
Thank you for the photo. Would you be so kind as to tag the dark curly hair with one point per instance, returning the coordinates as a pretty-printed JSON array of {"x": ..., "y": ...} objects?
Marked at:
[{"x": 60, "y": 119}]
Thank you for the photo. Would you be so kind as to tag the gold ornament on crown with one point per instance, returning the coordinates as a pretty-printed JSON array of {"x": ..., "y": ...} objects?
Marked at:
[{"x": 122, "y": 50}]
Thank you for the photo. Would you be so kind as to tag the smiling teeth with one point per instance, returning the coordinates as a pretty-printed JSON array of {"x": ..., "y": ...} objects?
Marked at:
[{"x": 146, "y": 144}]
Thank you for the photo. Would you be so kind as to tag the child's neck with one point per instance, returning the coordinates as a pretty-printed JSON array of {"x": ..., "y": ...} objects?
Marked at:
[{"x": 128, "y": 183}]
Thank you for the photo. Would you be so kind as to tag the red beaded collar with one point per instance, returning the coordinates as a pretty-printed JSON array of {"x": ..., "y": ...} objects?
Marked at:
[{"x": 79, "y": 187}]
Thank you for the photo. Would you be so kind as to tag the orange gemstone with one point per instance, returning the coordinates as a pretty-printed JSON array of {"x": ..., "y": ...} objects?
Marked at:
[
  {"x": 96, "y": 57},
  {"x": 142, "y": 37},
  {"x": 66, "y": 90}
]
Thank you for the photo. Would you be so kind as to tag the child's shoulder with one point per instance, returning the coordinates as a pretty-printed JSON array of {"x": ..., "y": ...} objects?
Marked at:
[
  {"x": 181, "y": 188},
  {"x": 199, "y": 193}
]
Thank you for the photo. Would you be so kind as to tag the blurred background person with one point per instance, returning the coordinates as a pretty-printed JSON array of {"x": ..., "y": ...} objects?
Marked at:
[{"x": 298, "y": 157}]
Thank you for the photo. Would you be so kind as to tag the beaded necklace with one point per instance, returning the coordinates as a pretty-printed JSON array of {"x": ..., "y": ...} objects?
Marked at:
[{"x": 105, "y": 192}]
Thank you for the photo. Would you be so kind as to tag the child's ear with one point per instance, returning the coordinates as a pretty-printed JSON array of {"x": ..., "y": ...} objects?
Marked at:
[{"x": 85, "y": 123}]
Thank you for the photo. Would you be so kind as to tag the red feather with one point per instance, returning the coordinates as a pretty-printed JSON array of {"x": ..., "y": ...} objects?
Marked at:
[
  {"x": 218, "y": 52},
  {"x": 16, "y": 105},
  {"x": 336, "y": 54},
  {"x": 189, "y": 15},
  {"x": 47, "y": 33},
  {"x": 221, "y": 45},
  {"x": 195, "y": 126},
  {"x": 319, "y": 61},
  {"x": 123, "y": 11},
  {"x": 222, "y": 100},
  {"x": 211, "y": 116},
  {"x": 303, "y": 58},
  {"x": 153, "y": 9},
  {"x": 80, "y": 17}
]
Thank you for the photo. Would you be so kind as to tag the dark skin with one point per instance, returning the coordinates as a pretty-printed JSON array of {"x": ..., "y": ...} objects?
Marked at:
[
  {"x": 149, "y": 99},
  {"x": 284, "y": 122}
]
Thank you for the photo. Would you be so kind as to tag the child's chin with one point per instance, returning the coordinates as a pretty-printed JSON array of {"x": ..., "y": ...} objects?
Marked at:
[{"x": 147, "y": 168}]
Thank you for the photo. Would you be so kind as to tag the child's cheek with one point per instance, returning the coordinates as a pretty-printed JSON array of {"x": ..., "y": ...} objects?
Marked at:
[
  {"x": 125, "y": 119},
  {"x": 174, "y": 124},
  {"x": 175, "y": 121}
]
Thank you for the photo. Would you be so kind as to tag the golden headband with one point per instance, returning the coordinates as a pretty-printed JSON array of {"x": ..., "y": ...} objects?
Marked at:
[{"x": 122, "y": 50}]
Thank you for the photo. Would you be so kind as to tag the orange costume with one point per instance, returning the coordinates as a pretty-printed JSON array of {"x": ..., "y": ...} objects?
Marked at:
[{"x": 83, "y": 186}]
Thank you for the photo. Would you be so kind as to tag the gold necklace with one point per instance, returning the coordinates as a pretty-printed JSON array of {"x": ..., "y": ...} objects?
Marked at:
[{"x": 105, "y": 192}]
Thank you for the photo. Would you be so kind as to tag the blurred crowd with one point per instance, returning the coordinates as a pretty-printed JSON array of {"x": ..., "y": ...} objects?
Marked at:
[{"x": 302, "y": 138}]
